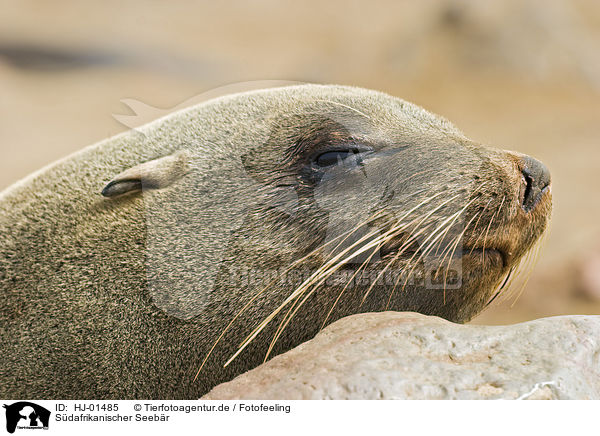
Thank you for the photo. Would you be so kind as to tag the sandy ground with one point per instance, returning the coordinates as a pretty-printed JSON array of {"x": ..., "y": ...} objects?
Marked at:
[{"x": 520, "y": 75}]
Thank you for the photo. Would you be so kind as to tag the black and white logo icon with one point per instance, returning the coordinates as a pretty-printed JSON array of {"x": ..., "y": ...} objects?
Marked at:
[{"x": 26, "y": 415}]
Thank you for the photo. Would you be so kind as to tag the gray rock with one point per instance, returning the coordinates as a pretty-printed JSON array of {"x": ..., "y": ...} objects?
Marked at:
[{"x": 394, "y": 355}]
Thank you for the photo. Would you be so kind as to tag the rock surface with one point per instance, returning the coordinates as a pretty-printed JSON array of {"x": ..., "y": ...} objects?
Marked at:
[{"x": 393, "y": 355}]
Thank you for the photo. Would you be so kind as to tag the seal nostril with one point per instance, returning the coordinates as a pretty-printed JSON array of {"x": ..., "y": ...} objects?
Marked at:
[
  {"x": 537, "y": 179},
  {"x": 528, "y": 186}
]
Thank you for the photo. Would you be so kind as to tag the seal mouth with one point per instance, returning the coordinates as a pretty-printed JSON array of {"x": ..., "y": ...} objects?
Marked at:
[
  {"x": 488, "y": 254},
  {"x": 492, "y": 255},
  {"x": 397, "y": 244}
]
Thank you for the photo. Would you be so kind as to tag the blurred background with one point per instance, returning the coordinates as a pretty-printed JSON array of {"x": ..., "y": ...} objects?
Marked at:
[{"x": 515, "y": 74}]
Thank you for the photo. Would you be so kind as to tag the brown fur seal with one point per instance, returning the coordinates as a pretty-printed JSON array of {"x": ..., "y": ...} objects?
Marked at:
[{"x": 251, "y": 217}]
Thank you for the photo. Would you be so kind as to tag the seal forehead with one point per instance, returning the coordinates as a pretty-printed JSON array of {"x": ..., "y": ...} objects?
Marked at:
[
  {"x": 392, "y": 114},
  {"x": 379, "y": 107}
]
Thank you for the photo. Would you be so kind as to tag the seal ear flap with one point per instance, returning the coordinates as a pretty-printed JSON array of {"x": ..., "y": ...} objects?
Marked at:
[{"x": 155, "y": 174}]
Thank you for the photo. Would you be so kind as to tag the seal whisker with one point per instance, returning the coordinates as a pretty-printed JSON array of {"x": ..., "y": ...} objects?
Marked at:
[
  {"x": 519, "y": 268},
  {"x": 249, "y": 303},
  {"x": 477, "y": 224},
  {"x": 314, "y": 278},
  {"x": 448, "y": 229},
  {"x": 297, "y": 303},
  {"x": 455, "y": 241},
  {"x": 498, "y": 291},
  {"x": 333, "y": 261},
  {"x": 426, "y": 251},
  {"x": 321, "y": 275},
  {"x": 485, "y": 239},
  {"x": 458, "y": 239},
  {"x": 295, "y": 295},
  {"x": 447, "y": 224},
  {"x": 536, "y": 250},
  {"x": 346, "y": 106},
  {"x": 450, "y": 247},
  {"x": 375, "y": 250},
  {"x": 439, "y": 231},
  {"x": 394, "y": 231},
  {"x": 397, "y": 229},
  {"x": 408, "y": 243},
  {"x": 414, "y": 238}
]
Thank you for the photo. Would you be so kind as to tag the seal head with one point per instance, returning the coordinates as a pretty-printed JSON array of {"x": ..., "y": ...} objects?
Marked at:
[{"x": 252, "y": 219}]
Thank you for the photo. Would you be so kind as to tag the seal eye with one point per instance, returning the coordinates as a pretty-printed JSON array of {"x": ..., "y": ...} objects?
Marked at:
[{"x": 330, "y": 158}]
